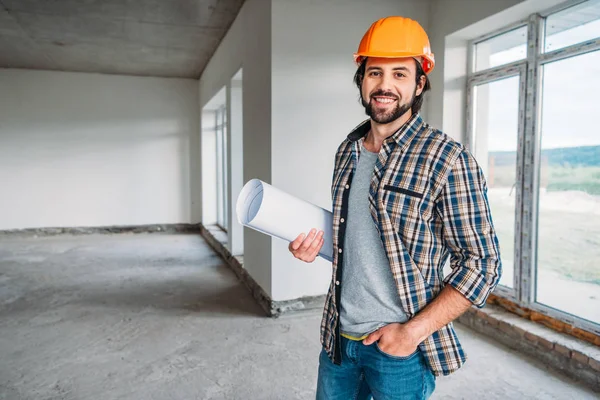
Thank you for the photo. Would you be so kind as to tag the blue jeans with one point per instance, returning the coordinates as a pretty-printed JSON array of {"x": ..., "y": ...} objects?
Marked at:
[{"x": 367, "y": 371}]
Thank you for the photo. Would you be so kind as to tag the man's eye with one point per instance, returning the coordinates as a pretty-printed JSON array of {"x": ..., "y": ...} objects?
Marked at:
[
  {"x": 399, "y": 75},
  {"x": 375, "y": 73}
]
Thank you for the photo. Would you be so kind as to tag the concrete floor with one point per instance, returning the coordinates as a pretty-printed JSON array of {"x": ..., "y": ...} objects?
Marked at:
[{"x": 160, "y": 317}]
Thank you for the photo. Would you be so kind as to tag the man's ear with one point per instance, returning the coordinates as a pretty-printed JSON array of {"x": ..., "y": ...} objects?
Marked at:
[{"x": 421, "y": 85}]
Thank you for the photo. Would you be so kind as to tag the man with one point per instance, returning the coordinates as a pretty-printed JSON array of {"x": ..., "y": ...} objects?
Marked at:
[{"x": 406, "y": 198}]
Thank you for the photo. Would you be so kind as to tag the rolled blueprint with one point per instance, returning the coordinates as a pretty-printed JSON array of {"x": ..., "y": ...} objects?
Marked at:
[{"x": 271, "y": 211}]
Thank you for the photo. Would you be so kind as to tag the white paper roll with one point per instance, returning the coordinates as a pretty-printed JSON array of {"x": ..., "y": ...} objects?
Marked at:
[{"x": 271, "y": 211}]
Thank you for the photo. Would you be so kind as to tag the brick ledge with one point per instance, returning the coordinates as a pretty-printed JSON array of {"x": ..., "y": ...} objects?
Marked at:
[{"x": 574, "y": 357}]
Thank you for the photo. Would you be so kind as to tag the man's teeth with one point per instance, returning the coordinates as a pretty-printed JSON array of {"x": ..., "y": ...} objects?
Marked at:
[{"x": 383, "y": 100}]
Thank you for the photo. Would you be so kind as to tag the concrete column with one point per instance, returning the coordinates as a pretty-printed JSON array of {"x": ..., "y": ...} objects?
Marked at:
[{"x": 235, "y": 155}]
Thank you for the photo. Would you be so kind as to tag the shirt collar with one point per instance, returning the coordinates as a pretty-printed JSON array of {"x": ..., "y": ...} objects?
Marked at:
[{"x": 402, "y": 136}]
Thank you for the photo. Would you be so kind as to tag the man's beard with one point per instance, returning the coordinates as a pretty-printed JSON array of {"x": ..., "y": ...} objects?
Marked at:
[{"x": 385, "y": 117}]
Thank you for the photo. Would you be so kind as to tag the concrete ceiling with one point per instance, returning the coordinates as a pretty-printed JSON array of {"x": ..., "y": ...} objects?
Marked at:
[{"x": 165, "y": 38}]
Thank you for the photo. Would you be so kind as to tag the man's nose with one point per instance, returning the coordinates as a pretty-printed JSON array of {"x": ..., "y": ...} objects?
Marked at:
[{"x": 385, "y": 83}]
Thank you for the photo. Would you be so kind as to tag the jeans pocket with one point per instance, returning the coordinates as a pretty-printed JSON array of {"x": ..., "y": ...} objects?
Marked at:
[{"x": 399, "y": 358}]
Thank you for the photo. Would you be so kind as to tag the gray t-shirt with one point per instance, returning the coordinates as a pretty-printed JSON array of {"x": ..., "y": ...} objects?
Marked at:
[{"x": 369, "y": 295}]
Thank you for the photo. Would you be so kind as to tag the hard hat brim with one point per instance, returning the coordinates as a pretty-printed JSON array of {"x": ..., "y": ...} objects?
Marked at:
[{"x": 430, "y": 61}]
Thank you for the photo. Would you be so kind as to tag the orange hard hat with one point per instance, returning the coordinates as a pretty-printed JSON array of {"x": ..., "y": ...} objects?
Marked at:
[{"x": 396, "y": 37}]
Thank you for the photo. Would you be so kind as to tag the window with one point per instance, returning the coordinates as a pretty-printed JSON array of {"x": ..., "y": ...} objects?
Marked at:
[
  {"x": 496, "y": 112},
  {"x": 531, "y": 121},
  {"x": 221, "y": 136},
  {"x": 568, "y": 274},
  {"x": 501, "y": 49},
  {"x": 572, "y": 26}
]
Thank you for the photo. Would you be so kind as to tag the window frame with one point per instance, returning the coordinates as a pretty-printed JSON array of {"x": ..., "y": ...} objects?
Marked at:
[
  {"x": 528, "y": 151},
  {"x": 515, "y": 69}
]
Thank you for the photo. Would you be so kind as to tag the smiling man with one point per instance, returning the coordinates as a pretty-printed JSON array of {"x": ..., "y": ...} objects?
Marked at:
[{"x": 406, "y": 198}]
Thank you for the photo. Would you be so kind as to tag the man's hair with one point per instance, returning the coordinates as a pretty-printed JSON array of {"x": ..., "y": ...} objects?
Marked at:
[{"x": 416, "y": 106}]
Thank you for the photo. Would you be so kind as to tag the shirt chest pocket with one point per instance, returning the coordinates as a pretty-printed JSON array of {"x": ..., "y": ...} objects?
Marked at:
[{"x": 405, "y": 206}]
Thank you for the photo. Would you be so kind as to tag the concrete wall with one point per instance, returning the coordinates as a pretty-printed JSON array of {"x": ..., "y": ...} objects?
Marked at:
[
  {"x": 247, "y": 45},
  {"x": 315, "y": 105},
  {"x": 97, "y": 150},
  {"x": 236, "y": 159}
]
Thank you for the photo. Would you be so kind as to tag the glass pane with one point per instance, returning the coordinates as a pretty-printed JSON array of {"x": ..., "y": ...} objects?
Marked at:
[
  {"x": 495, "y": 142},
  {"x": 573, "y": 25},
  {"x": 502, "y": 49},
  {"x": 568, "y": 262}
]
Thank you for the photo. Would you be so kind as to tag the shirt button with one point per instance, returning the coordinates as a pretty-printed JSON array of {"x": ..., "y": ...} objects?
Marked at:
[
  {"x": 347, "y": 186},
  {"x": 339, "y": 250},
  {"x": 337, "y": 283},
  {"x": 342, "y": 220}
]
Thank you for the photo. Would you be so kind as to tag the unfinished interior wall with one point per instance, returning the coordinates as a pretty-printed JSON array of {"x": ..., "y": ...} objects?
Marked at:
[
  {"x": 82, "y": 149},
  {"x": 247, "y": 45},
  {"x": 236, "y": 156}
]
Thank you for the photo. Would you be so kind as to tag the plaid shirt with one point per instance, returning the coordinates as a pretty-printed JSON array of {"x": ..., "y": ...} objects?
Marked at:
[{"x": 428, "y": 200}]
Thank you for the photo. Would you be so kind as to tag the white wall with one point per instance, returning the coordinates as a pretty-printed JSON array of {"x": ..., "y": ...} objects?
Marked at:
[
  {"x": 247, "y": 45},
  {"x": 236, "y": 159},
  {"x": 96, "y": 150},
  {"x": 315, "y": 105}
]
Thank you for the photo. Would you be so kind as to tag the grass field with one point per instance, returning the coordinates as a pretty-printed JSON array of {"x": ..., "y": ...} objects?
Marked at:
[
  {"x": 553, "y": 178},
  {"x": 569, "y": 218},
  {"x": 584, "y": 179},
  {"x": 568, "y": 234},
  {"x": 568, "y": 274}
]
